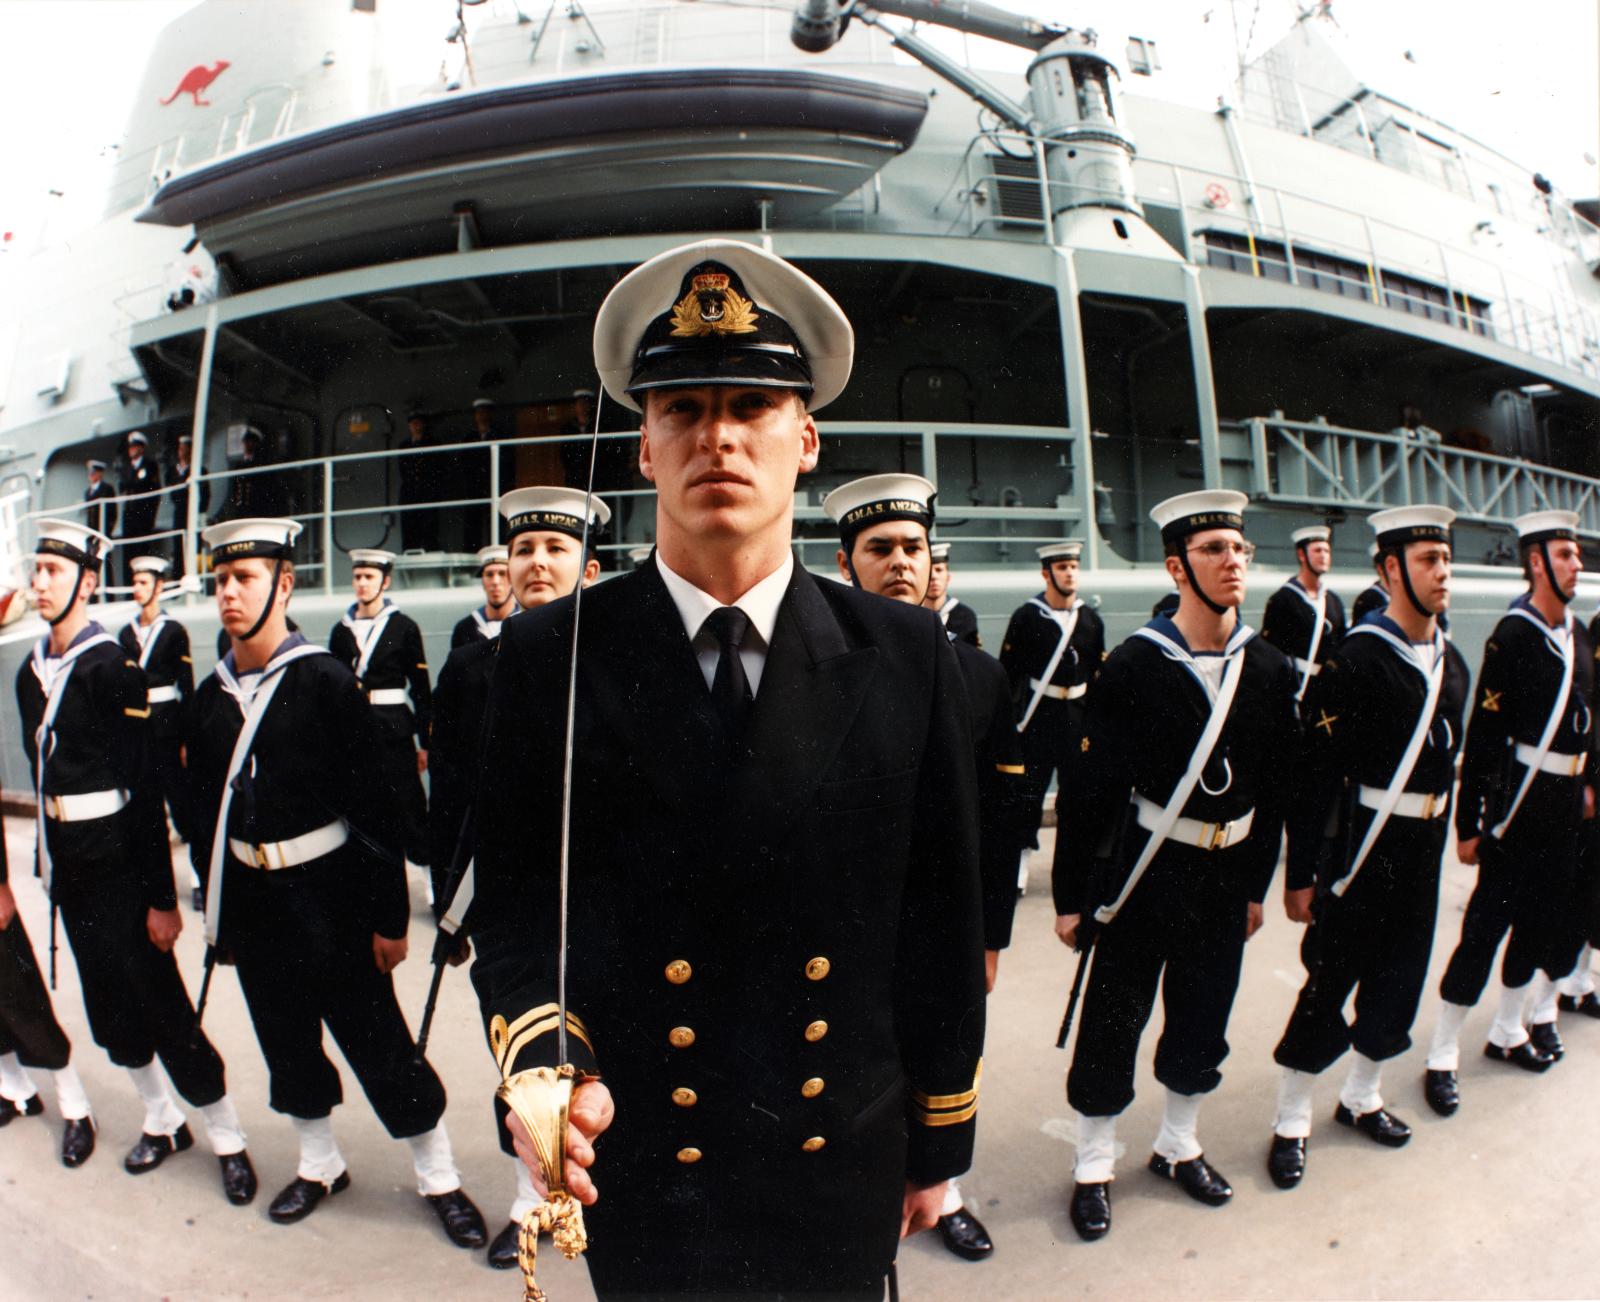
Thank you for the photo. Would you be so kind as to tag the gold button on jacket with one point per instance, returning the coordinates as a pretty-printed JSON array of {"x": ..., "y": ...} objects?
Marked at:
[
  {"x": 678, "y": 971},
  {"x": 817, "y": 968},
  {"x": 811, "y": 1088},
  {"x": 816, "y": 1031},
  {"x": 685, "y": 1098},
  {"x": 680, "y": 1037},
  {"x": 689, "y": 1156},
  {"x": 815, "y": 1144}
]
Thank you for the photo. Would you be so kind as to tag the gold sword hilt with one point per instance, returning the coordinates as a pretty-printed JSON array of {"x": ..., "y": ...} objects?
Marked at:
[{"x": 541, "y": 1098}]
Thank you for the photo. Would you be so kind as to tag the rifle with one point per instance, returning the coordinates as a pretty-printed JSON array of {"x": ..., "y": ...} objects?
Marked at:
[
  {"x": 1107, "y": 856},
  {"x": 1085, "y": 948},
  {"x": 447, "y": 940},
  {"x": 205, "y": 985}
]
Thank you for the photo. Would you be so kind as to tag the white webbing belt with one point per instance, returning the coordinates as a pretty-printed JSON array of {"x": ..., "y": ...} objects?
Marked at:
[
  {"x": 297, "y": 850},
  {"x": 1193, "y": 832},
  {"x": 1411, "y": 804},
  {"x": 1058, "y": 693},
  {"x": 1562, "y": 765},
  {"x": 85, "y": 806},
  {"x": 162, "y": 695},
  {"x": 388, "y": 696}
]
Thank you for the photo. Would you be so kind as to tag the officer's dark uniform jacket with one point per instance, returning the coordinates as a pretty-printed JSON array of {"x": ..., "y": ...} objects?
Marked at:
[
  {"x": 775, "y": 952},
  {"x": 141, "y": 486},
  {"x": 101, "y": 733},
  {"x": 960, "y": 621},
  {"x": 1359, "y": 715},
  {"x": 474, "y": 627},
  {"x": 460, "y": 700},
  {"x": 1370, "y": 600},
  {"x": 1289, "y": 620},
  {"x": 101, "y": 518},
  {"x": 1031, "y": 639},
  {"x": 168, "y": 664},
  {"x": 311, "y": 762},
  {"x": 1146, "y": 714},
  {"x": 1002, "y": 807}
]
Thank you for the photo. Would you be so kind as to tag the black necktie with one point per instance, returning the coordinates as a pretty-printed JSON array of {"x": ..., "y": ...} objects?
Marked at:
[{"x": 730, "y": 689}]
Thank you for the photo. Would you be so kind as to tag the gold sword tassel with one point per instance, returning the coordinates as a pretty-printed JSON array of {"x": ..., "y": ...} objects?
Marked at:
[{"x": 541, "y": 1097}]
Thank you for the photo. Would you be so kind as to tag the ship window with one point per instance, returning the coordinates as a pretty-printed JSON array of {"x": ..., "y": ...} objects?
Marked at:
[{"x": 1142, "y": 56}]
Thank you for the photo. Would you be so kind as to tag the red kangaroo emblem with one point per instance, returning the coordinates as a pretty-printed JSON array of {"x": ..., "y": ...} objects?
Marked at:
[{"x": 196, "y": 80}]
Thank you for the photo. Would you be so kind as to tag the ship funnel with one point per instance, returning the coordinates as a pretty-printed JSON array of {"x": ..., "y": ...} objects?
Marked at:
[
  {"x": 1075, "y": 94},
  {"x": 817, "y": 25}
]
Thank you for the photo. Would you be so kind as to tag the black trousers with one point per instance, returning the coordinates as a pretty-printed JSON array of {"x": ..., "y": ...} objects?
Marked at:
[
  {"x": 304, "y": 962},
  {"x": 1375, "y": 941},
  {"x": 397, "y": 760},
  {"x": 1181, "y": 929},
  {"x": 137, "y": 1004},
  {"x": 1525, "y": 885},
  {"x": 1047, "y": 746},
  {"x": 170, "y": 777},
  {"x": 28, "y": 1026}
]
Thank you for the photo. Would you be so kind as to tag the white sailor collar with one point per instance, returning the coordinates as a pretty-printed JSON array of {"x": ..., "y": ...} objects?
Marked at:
[{"x": 760, "y": 604}]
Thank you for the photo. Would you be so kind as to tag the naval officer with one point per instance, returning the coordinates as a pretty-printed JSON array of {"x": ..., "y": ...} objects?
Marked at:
[
  {"x": 483, "y": 624},
  {"x": 1382, "y": 728},
  {"x": 1526, "y": 777},
  {"x": 383, "y": 647},
  {"x": 297, "y": 834},
  {"x": 1053, "y": 648},
  {"x": 958, "y": 618},
  {"x": 104, "y": 859},
  {"x": 1305, "y": 618},
  {"x": 159, "y": 645},
  {"x": 775, "y": 773},
  {"x": 883, "y": 533},
  {"x": 1178, "y": 818},
  {"x": 546, "y": 560}
]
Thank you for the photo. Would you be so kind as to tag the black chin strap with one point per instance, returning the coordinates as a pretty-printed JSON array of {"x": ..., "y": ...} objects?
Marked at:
[
  {"x": 1405, "y": 579},
  {"x": 77, "y": 587},
  {"x": 1550, "y": 575},
  {"x": 1050, "y": 578},
  {"x": 272, "y": 596},
  {"x": 1194, "y": 583}
]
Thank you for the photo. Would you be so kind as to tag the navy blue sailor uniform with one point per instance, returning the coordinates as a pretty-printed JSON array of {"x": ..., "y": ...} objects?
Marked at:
[
  {"x": 1527, "y": 869},
  {"x": 775, "y": 949},
  {"x": 460, "y": 701},
  {"x": 1183, "y": 925},
  {"x": 300, "y": 929},
  {"x": 109, "y": 863},
  {"x": 475, "y": 626},
  {"x": 1053, "y": 726},
  {"x": 161, "y": 649},
  {"x": 391, "y": 667},
  {"x": 28, "y": 1025},
  {"x": 1289, "y": 623},
  {"x": 1371, "y": 933},
  {"x": 960, "y": 621},
  {"x": 1373, "y": 599}
]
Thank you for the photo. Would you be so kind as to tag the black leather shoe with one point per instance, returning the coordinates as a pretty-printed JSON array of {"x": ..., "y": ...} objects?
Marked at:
[
  {"x": 32, "y": 1106},
  {"x": 238, "y": 1178},
  {"x": 1379, "y": 1124},
  {"x": 1440, "y": 1088},
  {"x": 1286, "y": 1161},
  {"x": 503, "y": 1251},
  {"x": 1091, "y": 1210},
  {"x": 152, "y": 1150},
  {"x": 1588, "y": 1005},
  {"x": 299, "y": 1198},
  {"x": 462, "y": 1221},
  {"x": 77, "y": 1141},
  {"x": 1524, "y": 1056},
  {"x": 1196, "y": 1177},
  {"x": 1544, "y": 1037},
  {"x": 964, "y": 1235}
]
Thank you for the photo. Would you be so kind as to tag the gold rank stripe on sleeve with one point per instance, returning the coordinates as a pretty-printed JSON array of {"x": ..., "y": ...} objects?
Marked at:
[
  {"x": 1011, "y": 768},
  {"x": 508, "y": 1040},
  {"x": 948, "y": 1109},
  {"x": 136, "y": 714}
]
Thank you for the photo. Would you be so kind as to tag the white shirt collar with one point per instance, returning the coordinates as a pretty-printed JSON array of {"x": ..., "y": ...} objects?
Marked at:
[{"x": 760, "y": 604}]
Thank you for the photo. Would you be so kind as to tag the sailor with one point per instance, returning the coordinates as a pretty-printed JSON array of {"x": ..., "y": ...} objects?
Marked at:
[
  {"x": 383, "y": 648},
  {"x": 105, "y": 862},
  {"x": 31, "y": 1037},
  {"x": 544, "y": 528},
  {"x": 1374, "y": 598},
  {"x": 297, "y": 834},
  {"x": 1054, "y": 645},
  {"x": 177, "y": 477},
  {"x": 483, "y": 624},
  {"x": 1305, "y": 618},
  {"x": 1526, "y": 778},
  {"x": 775, "y": 773},
  {"x": 141, "y": 486},
  {"x": 473, "y": 473},
  {"x": 1178, "y": 820},
  {"x": 102, "y": 518},
  {"x": 957, "y": 617},
  {"x": 1382, "y": 727},
  {"x": 160, "y": 646},
  {"x": 883, "y": 533}
]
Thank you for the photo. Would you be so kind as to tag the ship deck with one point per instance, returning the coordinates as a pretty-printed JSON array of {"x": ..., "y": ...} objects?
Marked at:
[{"x": 1496, "y": 1202}]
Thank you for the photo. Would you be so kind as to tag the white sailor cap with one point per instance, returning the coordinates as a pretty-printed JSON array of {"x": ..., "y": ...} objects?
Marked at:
[
  {"x": 149, "y": 565},
  {"x": 1188, "y": 513},
  {"x": 482, "y": 402},
  {"x": 939, "y": 553},
  {"x": 271, "y": 537},
  {"x": 95, "y": 463},
  {"x": 1547, "y": 526},
  {"x": 558, "y": 510},
  {"x": 371, "y": 558},
  {"x": 1310, "y": 534},
  {"x": 583, "y": 393},
  {"x": 1400, "y": 525},
  {"x": 137, "y": 436},
  {"x": 639, "y": 555},
  {"x": 495, "y": 554},
  {"x": 1068, "y": 549},
  {"x": 721, "y": 312},
  {"x": 874, "y": 499},
  {"x": 78, "y": 543}
]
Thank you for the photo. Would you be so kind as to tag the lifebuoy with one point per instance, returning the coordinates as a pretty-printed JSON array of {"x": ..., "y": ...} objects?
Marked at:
[{"x": 1217, "y": 195}]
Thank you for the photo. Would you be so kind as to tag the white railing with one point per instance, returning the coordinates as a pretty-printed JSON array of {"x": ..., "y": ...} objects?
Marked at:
[{"x": 1311, "y": 463}]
